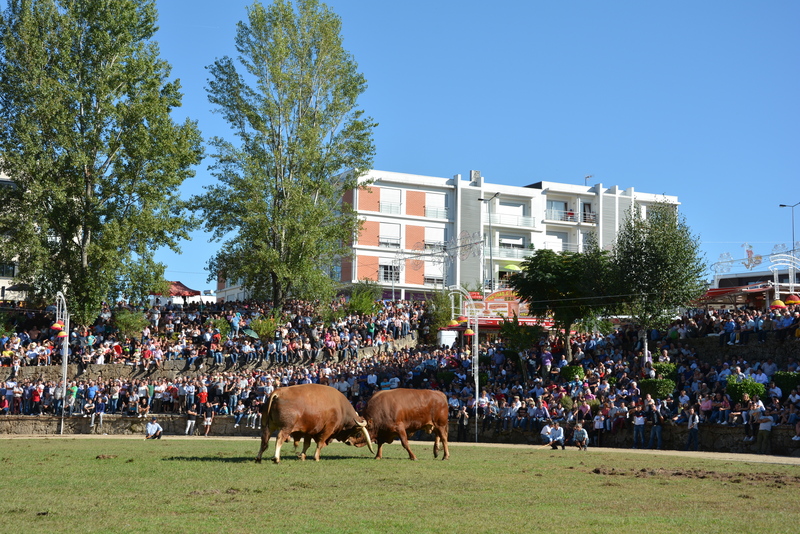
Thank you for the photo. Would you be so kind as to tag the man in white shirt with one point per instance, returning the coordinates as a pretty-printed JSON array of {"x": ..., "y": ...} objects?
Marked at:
[
  {"x": 546, "y": 434},
  {"x": 153, "y": 430},
  {"x": 556, "y": 436}
]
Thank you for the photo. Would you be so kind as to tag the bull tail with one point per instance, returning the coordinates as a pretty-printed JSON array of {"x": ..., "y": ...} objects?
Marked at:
[{"x": 265, "y": 412}]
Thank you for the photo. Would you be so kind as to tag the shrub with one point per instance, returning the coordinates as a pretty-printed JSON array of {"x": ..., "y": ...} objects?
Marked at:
[
  {"x": 130, "y": 323},
  {"x": 572, "y": 372},
  {"x": 594, "y": 404},
  {"x": 566, "y": 403},
  {"x": 666, "y": 370},
  {"x": 737, "y": 389},
  {"x": 265, "y": 327},
  {"x": 223, "y": 326},
  {"x": 363, "y": 297},
  {"x": 445, "y": 377},
  {"x": 786, "y": 381},
  {"x": 657, "y": 388}
]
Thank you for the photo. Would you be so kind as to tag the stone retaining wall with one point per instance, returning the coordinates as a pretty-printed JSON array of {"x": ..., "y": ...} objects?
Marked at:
[{"x": 712, "y": 437}]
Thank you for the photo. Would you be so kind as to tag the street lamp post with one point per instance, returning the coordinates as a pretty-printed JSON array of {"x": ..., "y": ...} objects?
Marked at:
[
  {"x": 792, "y": 274},
  {"x": 491, "y": 237},
  {"x": 62, "y": 315},
  {"x": 473, "y": 314}
]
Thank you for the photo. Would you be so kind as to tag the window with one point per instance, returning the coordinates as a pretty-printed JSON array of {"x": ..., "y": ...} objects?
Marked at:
[
  {"x": 336, "y": 272},
  {"x": 389, "y": 273},
  {"x": 557, "y": 211},
  {"x": 436, "y": 205},
  {"x": 7, "y": 270},
  {"x": 389, "y": 235},
  {"x": 434, "y": 238},
  {"x": 434, "y": 274},
  {"x": 511, "y": 241},
  {"x": 390, "y": 201},
  {"x": 587, "y": 215},
  {"x": 559, "y": 241}
]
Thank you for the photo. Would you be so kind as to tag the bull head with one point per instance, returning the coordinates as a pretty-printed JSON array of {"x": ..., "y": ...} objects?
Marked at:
[{"x": 363, "y": 427}]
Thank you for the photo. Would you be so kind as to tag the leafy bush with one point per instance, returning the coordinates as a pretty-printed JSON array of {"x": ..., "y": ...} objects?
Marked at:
[
  {"x": 572, "y": 372},
  {"x": 445, "y": 377},
  {"x": 223, "y": 326},
  {"x": 363, "y": 297},
  {"x": 594, "y": 404},
  {"x": 736, "y": 390},
  {"x": 265, "y": 327},
  {"x": 566, "y": 403},
  {"x": 130, "y": 323},
  {"x": 666, "y": 370},
  {"x": 657, "y": 388},
  {"x": 786, "y": 381}
]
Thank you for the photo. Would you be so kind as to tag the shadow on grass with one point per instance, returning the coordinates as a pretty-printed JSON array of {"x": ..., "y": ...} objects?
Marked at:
[{"x": 252, "y": 459}]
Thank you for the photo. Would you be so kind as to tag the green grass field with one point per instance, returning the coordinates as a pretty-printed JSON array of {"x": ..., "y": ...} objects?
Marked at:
[{"x": 196, "y": 485}]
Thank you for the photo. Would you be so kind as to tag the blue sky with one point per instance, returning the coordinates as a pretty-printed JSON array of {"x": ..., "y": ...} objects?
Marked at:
[{"x": 695, "y": 99}]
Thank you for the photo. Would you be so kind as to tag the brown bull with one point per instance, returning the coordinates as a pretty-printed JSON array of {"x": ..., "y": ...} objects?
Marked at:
[
  {"x": 309, "y": 411},
  {"x": 399, "y": 412}
]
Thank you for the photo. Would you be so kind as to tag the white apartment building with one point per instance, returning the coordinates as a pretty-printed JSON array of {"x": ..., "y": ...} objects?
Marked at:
[
  {"x": 420, "y": 232},
  {"x": 425, "y": 232}
]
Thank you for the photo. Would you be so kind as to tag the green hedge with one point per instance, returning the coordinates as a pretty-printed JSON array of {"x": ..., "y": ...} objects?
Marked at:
[
  {"x": 572, "y": 372},
  {"x": 736, "y": 390},
  {"x": 657, "y": 388},
  {"x": 786, "y": 381},
  {"x": 666, "y": 370}
]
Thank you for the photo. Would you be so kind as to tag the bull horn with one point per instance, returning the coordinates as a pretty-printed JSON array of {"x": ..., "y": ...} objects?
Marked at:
[{"x": 363, "y": 427}]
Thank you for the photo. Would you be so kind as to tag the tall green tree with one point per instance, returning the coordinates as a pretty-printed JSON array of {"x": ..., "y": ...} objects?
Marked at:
[
  {"x": 566, "y": 286},
  {"x": 86, "y": 136},
  {"x": 657, "y": 265},
  {"x": 299, "y": 144}
]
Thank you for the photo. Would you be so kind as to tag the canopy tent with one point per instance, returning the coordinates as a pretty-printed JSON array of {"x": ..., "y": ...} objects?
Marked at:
[
  {"x": 178, "y": 289},
  {"x": 734, "y": 295}
]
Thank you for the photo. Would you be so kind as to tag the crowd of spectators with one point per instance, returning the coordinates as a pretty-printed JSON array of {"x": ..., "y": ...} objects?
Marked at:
[{"x": 522, "y": 392}]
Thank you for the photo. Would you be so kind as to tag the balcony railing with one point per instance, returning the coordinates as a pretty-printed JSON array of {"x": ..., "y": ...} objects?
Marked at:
[
  {"x": 571, "y": 216},
  {"x": 392, "y": 208},
  {"x": 388, "y": 242},
  {"x": 511, "y": 252},
  {"x": 560, "y": 246},
  {"x": 436, "y": 213},
  {"x": 433, "y": 281},
  {"x": 502, "y": 219},
  {"x": 436, "y": 246}
]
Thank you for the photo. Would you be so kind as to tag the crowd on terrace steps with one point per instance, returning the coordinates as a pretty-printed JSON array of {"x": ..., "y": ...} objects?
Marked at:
[{"x": 521, "y": 392}]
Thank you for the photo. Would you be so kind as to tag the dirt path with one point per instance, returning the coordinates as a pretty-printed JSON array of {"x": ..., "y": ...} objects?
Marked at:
[{"x": 719, "y": 456}]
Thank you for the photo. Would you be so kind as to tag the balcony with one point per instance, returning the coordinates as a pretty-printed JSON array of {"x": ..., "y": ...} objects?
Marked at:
[
  {"x": 435, "y": 246},
  {"x": 515, "y": 253},
  {"x": 436, "y": 213},
  {"x": 392, "y": 208},
  {"x": 588, "y": 217},
  {"x": 502, "y": 219},
  {"x": 560, "y": 246},
  {"x": 388, "y": 242},
  {"x": 433, "y": 281}
]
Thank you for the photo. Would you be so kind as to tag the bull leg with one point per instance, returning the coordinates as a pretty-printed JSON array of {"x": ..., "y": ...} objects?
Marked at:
[
  {"x": 264, "y": 442},
  {"x": 379, "y": 454},
  {"x": 320, "y": 444},
  {"x": 436, "y": 442},
  {"x": 306, "y": 445},
  {"x": 401, "y": 432},
  {"x": 279, "y": 439},
  {"x": 441, "y": 433}
]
